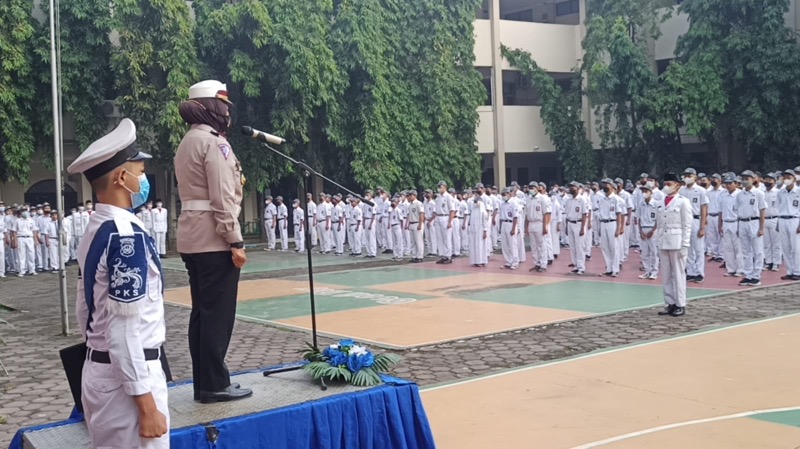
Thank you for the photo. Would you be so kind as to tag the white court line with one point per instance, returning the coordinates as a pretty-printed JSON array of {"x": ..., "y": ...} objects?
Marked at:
[
  {"x": 606, "y": 352},
  {"x": 682, "y": 424}
]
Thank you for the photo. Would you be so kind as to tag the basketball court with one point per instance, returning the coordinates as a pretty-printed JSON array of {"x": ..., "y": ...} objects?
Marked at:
[
  {"x": 734, "y": 387},
  {"x": 410, "y": 305}
]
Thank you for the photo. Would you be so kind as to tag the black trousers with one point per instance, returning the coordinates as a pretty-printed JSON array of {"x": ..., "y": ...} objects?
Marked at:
[{"x": 214, "y": 283}]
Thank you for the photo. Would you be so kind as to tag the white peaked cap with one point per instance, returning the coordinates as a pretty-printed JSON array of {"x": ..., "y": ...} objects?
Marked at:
[
  {"x": 209, "y": 89},
  {"x": 109, "y": 152}
]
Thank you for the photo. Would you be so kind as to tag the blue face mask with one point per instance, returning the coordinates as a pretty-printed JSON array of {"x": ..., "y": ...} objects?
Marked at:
[
  {"x": 140, "y": 197},
  {"x": 25, "y": 214}
]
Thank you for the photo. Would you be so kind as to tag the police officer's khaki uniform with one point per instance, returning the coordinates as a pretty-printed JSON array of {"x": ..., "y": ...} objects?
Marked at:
[
  {"x": 210, "y": 185},
  {"x": 674, "y": 226}
]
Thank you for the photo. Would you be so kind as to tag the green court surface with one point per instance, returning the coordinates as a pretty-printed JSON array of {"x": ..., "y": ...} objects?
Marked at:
[
  {"x": 378, "y": 276},
  {"x": 787, "y": 418},
  {"x": 583, "y": 296},
  {"x": 259, "y": 261}
]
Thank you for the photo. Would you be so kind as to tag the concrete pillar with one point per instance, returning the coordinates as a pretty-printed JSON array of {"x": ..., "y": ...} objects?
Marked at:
[{"x": 497, "y": 97}]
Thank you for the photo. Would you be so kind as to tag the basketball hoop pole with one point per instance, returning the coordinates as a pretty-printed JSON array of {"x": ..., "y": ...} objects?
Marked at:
[{"x": 55, "y": 87}]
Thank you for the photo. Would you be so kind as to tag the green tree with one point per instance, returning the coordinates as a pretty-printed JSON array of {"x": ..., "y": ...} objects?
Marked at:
[
  {"x": 737, "y": 66},
  {"x": 16, "y": 89},
  {"x": 154, "y": 63},
  {"x": 86, "y": 80},
  {"x": 562, "y": 116}
]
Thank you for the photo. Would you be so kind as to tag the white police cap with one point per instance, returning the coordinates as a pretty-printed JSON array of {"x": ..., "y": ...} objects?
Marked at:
[
  {"x": 209, "y": 89},
  {"x": 109, "y": 152}
]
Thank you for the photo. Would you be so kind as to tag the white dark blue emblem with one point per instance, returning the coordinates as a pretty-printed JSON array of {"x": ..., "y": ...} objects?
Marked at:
[{"x": 127, "y": 268}]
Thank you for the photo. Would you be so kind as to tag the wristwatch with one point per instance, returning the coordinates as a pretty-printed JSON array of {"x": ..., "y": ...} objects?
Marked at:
[{"x": 237, "y": 245}]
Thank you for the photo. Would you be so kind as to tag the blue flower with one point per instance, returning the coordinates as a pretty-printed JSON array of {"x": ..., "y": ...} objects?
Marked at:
[
  {"x": 339, "y": 359},
  {"x": 355, "y": 363},
  {"x": 367, "y": 359},
  {"x": 346, "y": 343}
]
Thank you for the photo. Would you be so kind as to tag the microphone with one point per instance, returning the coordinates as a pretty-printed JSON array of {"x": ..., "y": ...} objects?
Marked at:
[{"x": 262, "y": 136}]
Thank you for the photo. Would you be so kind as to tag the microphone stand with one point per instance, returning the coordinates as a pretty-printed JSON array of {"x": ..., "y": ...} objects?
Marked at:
[{"x": 307, "y": 172}]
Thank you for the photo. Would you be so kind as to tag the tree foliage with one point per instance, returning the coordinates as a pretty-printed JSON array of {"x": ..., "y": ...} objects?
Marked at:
[
  {"x": 16, "y": 89},
  {"x": 738, "y": 66},
  {"x": 562, "y": 116},
  {"x": 155, "y": 62}
]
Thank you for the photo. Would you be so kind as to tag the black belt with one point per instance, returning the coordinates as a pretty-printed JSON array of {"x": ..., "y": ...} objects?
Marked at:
[
  {"x": 506, "y": 221},
  {"x": 53, "y": 238},
  {"x": 281, "y": 219},
  {"x": 103, "y": 357},
  {"x": 696, "y": 217},
  {"x": 413, "y": 222},
  {"x": 24, "y": 236},
  {"x": 714, "y": 215},
  {"x": 770, "y": 218},
  {"x": 749, "y": 219},
  {"x": 787, "y": 217},
  {"x": 574, "y": 221},
  {"x": 607, "y": 221},
  {"x": 467, "y": 215},
  {"x": 396, "y": 224},
  {"x": 729, "y": 221}
]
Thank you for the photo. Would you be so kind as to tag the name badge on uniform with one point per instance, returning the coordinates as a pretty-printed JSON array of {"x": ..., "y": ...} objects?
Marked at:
[
  {"x": 538, "y": 208},
  {"x": 577, "y": 209},
  {"x": 611, "y": 209},
  {"x": 795, "y": 203},
  {"x": 752, "y": 201},
  {"x": 652, "y": 215},
  {"x": 694, "y": 200},
  {"x": 509, "y": 215}
]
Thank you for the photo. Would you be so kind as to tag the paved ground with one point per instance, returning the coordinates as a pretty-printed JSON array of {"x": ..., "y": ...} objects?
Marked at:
[{"x": 30, "y": 339}]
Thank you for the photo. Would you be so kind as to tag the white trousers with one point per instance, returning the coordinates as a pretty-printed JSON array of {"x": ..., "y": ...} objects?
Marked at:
[
  {"x": 576, "y": 246},
  {"x": 457, "y": 236},
  {"x": 355, "y": 240},
  {"x": 10, "y": 258},
  {"x": 509, "y": 244},
  {"x": 397, "y": 236},
  {"x": 752, "y": 249},
  {"x": 270, "y": 231},
  {"x": 370, "y": 239},
  {"x": 595, "y": 229},
  {"x": 696, "y": 263},
  {"x": 299, "y": 238},
  {"x": 389, "y": 237},
  {"x": 673, "y": 264},
  {"x": 444, "y": 237},
  {"x": 713, "y": 237},
  {"x": 41, "y": 253},
  {"x": 649, "y": 253},
  {"x": 772, "y": 242},
  {"x": 495, "y": 232},
  {"x": 313, "y": 231},
  {"x": 73, "y": 246},
  {"x": 111, "y": 415},
  {"x": 52, "y": 253},
  {"x": 625, "y": 245},
  {"x": 381, "y": 232},
  {"x": 161, "y": 242},
  {"x": 324, "y": 236},
  {"x": 338, "y": 238},
  {"x": 609, "y": 246},
  {"x": 587, "y": 240},
  {"x": 2, "y": 256},
  {"x": 538, "y": 249},
  {"x": 406, "y": 241},
  {"x": 731, "y": 248},
  {"x": 464, "y": 236},
  {"x": 25, "y": 254},
  {"x": 417, "y": 242},
  {"x": 555, "y": 236},
  {"x": 790, "y": 245},
  {"x": 521, "y": 251},
  {"x": 283, "y": 229}
]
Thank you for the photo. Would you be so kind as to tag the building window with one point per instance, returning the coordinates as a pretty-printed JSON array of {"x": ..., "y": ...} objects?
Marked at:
[
  {"x": 486, "y": 74},
  {"x": 517, "y": 90},
  {"x": 567, "y": 8},
  {"x": 520, "y": 16},
  {"x": 662, "y": 65}
]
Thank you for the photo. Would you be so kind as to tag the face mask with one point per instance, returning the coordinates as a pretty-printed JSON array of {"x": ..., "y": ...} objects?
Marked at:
[
  {"x": 647, "y": 195},
  {"x": 39, "y": 212},
  {"x": 669, "y": 190},
  {"x": 2, "y": 209},
  {"x": 714, "y": 183},
  {"x": 505, "y": 198},
  {"x": 88, "y": 207},
  {"x": 688, "y": 180},
  {"x": 25, "y": 214},
  {"x": 573, "y": 192},
  {"x": 140, "y": 197},
  {"x": 788, "y": 182},
  {"x": 80, "y": 209},
  {"x": 650, "y": 184},
  {"x": 158, "y": 205},
  {"x": 768, "y": 185},
  {"x": 747, "y": 184}
]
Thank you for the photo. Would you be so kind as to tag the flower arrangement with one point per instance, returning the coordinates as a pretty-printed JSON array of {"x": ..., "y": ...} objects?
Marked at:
[{"x": 348, "y": 361}]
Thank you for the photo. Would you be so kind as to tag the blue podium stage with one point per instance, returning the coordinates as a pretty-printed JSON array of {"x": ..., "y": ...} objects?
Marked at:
[{"x": 287, "y": 411}]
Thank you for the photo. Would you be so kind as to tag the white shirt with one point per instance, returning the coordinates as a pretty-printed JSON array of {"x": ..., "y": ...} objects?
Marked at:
[
  {"x": 537, "y": 207},
  {"x": 283, "y": 212},
  {"x": 575, "y": 208},
  {"x": 147, "y": 218},
  {"x": 25, "y": 227},
  {"x": 789, "y": 202},
  {"x": 647, "y": 212},
  {"x": 312, "y": 211},
  {"x": 610, "y": 206},
  {"x": 508, "y": 211},
  {"x": 727, "y": 205},
  {"x": 160, "y": 217},
  {"x": 297, "y": 216},
  {"x": 323, "y": 212},
  {"x": 750, "y": 203},
  {"x": 270, "y": 212},
  {"x": 445, "y": 203},
  {"x": 771, "y": 197},
  {"x": 713, "y": 197},
  {"x": 336, "y": 213},
  {"x": 356, "y": 216},
  {"x": 120, "y": 264},
  {"x": 697, "y": 197}
]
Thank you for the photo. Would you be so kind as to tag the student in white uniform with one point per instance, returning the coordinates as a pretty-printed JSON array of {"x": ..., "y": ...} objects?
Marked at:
[
  {"x": 610, "y": 215},
  {"x": 488, "y": 204},
  {"x": 713, "y": 237},
  {"x": 356, "y": 227},
  {"x": 26, "y": 232},
  {"x": 10, "y": 251},
  {"x": 445, "y": 214},
  {"x": 338, "y": 226},
  {"x": 120, "y": 305},
  {"x": 270, "y": 222},
  {"x": 478, "y": 224},
  {"x": 464, "y": 211},
  {"x": 396, "y": 228},
  {"x": 646, "y": 217},
  {"x": 380, "y": 231},
  {"x": 387, "y": 207},
  {"x": 698, "y": 198},
  {"x": 752, "y": 209},
  {"x": 3, "y": 239},
  {"x": 299, "y": 226},
  {"x": 147, "y": 218},
  {"x": 577, "y": 214},
  {"x": 415, "y": 224},
  {"x": 557, "y": 206},
  {"x": 772, "y": 238},
  {"x": 370, "y": 227},
  {"x": 160, "y": 225},
  {"x": 457, "y": 222},
  {"x": 311, "y": 220},
  {"x": 537, "y": 224},
  {"x": 729, "y": 229},
  {"x": 403, "y": 206},
  {"x": 625, "y": 239},
  {"x": 674, "y": 226},
  {"x": 509, "y": 224},
  {"x": 283, "y": 225},
  {"x": 50, "y": 233},
  {"x": 323, "y": 220},
  {"x": 68, "y": 228},
  {"x": 789, "y": 225}
]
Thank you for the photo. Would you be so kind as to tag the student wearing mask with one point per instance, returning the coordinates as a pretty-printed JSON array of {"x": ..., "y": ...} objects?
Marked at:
[
  {"x": 713, "y": 237},
  {"x": 752, "y": 207},
  {"x": 698, "y": 198},
  {"x": 729, "y": 228},
  {"x": 772, "y": 238},
  {"x": 509, "y": 220},
  {"x": 646, "y": 219},
  {"x": 789, "y": 225},
  {"x": 674, "y": 225}
]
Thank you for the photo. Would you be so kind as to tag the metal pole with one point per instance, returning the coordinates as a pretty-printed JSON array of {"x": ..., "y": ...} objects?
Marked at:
[{"x": 55, "y": 90}]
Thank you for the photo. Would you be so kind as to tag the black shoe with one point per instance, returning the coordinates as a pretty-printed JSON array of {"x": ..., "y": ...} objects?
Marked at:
[
  {"x": 667, "y": 310},
  {"x": 679, "y": 311},
  {"x": 447, "y": 261},
  {"x": 536, "y": 268},
  {"x": 197, "y": 392},
  {"x": 549, "y": 262},
  {"x": 588, "y": 257},
  {"x": 440, "y": 261},
  {"x": 745, "y": 282},
  {"x": 229, "y": 394},
  {"x": 607, "y": 273},
  {"x": 754, "y": 282},
  {"x": 571, "y": 265},
  {"x": 388, "y": 251},
  {"x": 555, "y": 256},
  {"x": 795, "y": 278},
  {"x": 698, "y": 279},
  {"x": 575, "y": 271},
  {"x": 689, "y": 278},
  {"x": 162, "y": 256},
  {"x": 768, "y": 267},
  {"x": 787, "y": 278}
]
